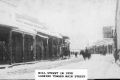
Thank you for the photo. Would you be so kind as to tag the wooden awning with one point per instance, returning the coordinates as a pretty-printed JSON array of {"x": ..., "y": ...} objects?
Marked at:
[
  {"x": 48, "y": 32},
  {"x": 42, "y": 36}
]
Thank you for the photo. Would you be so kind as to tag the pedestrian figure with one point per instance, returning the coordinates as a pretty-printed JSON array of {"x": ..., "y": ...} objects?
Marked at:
[
  {"x": 69, "y": 53},
  {"x": 76, "y": 54},
  {"x": 88, "y": 55},
  {"x": 119, "y": 58},
  {"x": 116, "y": 56}
]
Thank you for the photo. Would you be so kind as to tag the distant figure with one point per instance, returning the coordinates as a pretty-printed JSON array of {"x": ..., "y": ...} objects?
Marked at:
[
  {"x": 69, "y": 53},
  {"x": 85, "y": 54},
  {"x": 86, "y": 50},
  {"x": 76, "y": 54},
  {"x": 88, "y": 55},
  {"x": 116, "y": 56},
  {"x": 105, "y": 52}
]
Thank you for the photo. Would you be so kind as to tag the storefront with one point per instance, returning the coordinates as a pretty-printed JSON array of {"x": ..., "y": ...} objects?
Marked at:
[
  {"x": 5, "y": 44},
  {"x": 24, "y": 40}
]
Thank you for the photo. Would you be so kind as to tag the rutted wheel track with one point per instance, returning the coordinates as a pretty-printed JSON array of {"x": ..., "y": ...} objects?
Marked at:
[{"x": 29, "y": 70}]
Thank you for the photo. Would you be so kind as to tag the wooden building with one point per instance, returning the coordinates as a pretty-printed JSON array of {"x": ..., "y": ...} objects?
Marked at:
[
  {"x": 25, "y": 39},
  {"x": 103, "y": 47}
]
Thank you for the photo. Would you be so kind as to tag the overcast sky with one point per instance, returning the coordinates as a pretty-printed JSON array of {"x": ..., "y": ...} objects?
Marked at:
[{"x": 81, "y": 20}]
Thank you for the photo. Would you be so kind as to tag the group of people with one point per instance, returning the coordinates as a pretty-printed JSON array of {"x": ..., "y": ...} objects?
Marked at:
[{"x": 85, "y": 53}]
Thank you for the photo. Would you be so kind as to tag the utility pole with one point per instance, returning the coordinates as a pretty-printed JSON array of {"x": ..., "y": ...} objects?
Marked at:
[{"x": 115, "y": 34}]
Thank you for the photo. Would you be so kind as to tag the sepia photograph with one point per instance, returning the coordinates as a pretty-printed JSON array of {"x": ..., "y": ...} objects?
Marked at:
[{"x": 59, "y": 39}]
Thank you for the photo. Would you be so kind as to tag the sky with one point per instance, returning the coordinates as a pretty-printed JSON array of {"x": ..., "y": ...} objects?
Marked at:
[{"x": 81, "y": 20}]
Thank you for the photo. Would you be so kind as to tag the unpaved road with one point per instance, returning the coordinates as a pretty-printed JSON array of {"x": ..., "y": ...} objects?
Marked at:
[{"x": 98, "y": 67}]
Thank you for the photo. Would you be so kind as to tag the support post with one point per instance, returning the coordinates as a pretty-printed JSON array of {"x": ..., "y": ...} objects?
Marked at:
[
  {"x": 58, "y": 49},
  {"x": 52, "y": 49},
  {"x": 10, "y": 46},
  {"x": 34, "y": 48},
  {"x": 42, "y": 52},
  {"x": 47, "y": 51},
  {"x": 23, "y": 41}
]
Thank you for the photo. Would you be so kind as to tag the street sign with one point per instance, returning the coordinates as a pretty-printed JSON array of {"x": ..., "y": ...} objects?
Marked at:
[{"x": 107, "y": 32}]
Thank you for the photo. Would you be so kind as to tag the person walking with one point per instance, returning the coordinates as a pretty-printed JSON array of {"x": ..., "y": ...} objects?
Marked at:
[
  {"x": 76, "y": 54},
  {"x": 116, "y": 56}
]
